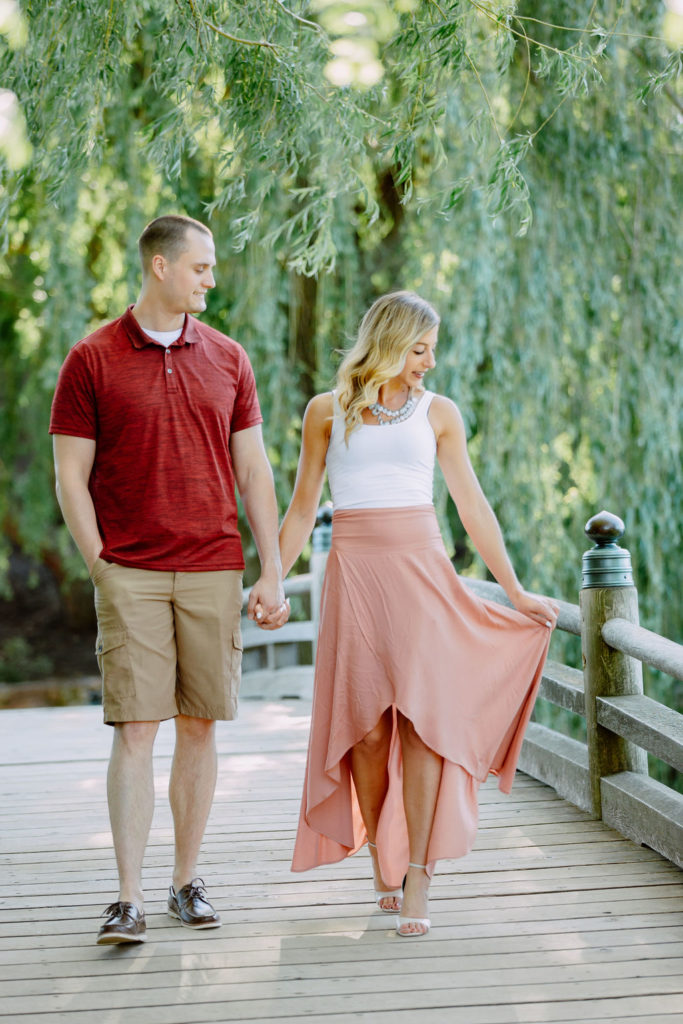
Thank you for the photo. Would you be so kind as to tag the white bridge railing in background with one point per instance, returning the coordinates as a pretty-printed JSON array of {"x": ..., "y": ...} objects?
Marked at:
[{"x": 271, "y": 666}]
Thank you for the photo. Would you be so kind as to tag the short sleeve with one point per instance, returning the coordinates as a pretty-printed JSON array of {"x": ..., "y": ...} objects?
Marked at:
[
  {"x": 74, "y": 411},
  {"x": 246, "y": 410}
]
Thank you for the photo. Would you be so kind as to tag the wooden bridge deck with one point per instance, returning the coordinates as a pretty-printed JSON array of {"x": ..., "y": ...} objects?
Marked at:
[{"x": 552, "y": 918}]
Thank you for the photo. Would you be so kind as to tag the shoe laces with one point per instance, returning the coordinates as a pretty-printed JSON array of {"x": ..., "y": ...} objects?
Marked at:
[
  {"x": 114, "y": 909},
  {"x": 196, "y": 888}
]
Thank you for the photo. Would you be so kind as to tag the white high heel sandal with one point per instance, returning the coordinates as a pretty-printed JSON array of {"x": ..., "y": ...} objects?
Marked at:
[
  {"x": 424, "y": 921},
  {"x": 380, "y": 895}
]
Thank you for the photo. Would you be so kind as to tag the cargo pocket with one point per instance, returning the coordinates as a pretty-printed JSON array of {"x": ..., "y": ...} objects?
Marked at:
[
  {"x": 232, "y": 684},
  {"x": 236, "y": 651},
  {"x": 113, "y": 658}
]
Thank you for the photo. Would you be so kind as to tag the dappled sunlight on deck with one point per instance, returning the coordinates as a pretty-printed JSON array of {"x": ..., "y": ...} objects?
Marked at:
[{"x": 553, "y": 917}]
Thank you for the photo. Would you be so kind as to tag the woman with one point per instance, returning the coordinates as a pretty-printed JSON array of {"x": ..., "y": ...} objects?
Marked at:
[{"x": 421, "y": 688}]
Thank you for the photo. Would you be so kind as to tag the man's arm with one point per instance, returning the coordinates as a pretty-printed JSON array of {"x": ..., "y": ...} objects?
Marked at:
[
  {"x": 255, "y": 484},
  {"x": 74, "y": 457}
]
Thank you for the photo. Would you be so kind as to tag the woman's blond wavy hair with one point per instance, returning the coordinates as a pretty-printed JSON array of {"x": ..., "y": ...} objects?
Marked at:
[{"x": 389, "y": 329}]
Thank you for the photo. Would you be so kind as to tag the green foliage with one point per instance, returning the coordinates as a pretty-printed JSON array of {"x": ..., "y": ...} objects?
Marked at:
[
  {"x": 517, "y": 163},
  {"x": 14, "y": 147},
  {"x": 18, "y": 662}
]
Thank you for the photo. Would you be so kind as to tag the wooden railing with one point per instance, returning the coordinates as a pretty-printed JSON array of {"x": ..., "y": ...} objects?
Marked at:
[
  {"x": 291, "y": 633},
  {"x": 607, "y": 775}
]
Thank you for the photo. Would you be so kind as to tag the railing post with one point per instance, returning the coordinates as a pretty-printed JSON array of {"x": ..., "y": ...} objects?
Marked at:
[
  {"x": 322, "y": 539},
  {"x": 607, "y": 593}
]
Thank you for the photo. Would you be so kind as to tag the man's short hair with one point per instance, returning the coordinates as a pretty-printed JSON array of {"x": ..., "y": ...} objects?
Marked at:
[{"x": 167, "y": 236}]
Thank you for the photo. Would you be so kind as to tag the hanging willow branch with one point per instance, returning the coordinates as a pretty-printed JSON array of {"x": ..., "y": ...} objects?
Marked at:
[{"x": 263, "y": 43}]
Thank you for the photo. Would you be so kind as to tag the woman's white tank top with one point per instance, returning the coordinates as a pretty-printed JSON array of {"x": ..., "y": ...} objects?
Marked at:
[{"x": 388, "y": 466}]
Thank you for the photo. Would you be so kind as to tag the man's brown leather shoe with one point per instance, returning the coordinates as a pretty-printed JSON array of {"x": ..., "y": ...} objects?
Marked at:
[
  {"x": 125, "y": 923},
  {"x": 191, "y": 907}
]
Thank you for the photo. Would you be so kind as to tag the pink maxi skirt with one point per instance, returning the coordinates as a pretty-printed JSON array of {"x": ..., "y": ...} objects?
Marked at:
[{"x": 398, "y": 629}]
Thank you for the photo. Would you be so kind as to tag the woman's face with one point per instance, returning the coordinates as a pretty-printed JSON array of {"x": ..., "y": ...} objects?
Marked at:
[{"x": 420, "y": 359}]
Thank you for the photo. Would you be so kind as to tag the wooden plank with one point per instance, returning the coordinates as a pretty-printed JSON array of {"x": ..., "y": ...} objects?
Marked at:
[
  {"x": 563, "y": 686},
  {"x": 261, "y": 965},
  {"x": 352, "y": 893},
  {"x": 490, "y": 828},
  {"x": 245, "y": 857},
  {"x": 552, "y": 917},
  {"x": 593, "y": 1011},
  {"x": 643, "y": 644},
  {"x": 245, "y": 816},
  {"x": 244, "y": 798},
  {"x": 295, "y": 681},
  {"x": 281, "y": 1001},
  {"x": 525, "y": 790},
  {"x": 282, "y": 981},
  {"x": 645, "y": 811},
  {"x": 318, "y": 925},
  {"x": 283, "y": 892},
  {"x": 585, "y": 877},
  {"x": 646, "y": 722},
  {"x": 241, "y": 821},
  {"x": 352, "y": 909},
  {"x": 266, "y": 949},
  {"x": 485, "y": 860},
  {"x": 506, "y": 907},
  {"x": 306, "y": 909},
  {"x": 240, "y": 832},
  {"x": 558, "y": 761},
  {"x": 68, "y": 736}
]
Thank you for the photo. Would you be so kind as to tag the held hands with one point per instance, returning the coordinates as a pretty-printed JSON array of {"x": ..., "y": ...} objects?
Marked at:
[
  {"x": 274, "y": 621},
  {"x": 268, "y": 607},
  {"x": 541, "y": 609}
]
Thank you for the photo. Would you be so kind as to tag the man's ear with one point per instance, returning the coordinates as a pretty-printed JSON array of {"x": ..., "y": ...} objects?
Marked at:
[{"x": 159, "y": 264}]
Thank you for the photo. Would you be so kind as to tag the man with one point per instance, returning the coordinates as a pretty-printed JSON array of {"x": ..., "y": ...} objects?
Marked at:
[{"x": 155, "y": 418}]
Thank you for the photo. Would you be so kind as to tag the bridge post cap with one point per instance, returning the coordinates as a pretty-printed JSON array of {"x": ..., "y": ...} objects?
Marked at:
[
  {"x": 604, "y": 528},
  {"x": 606, "y": 564}
]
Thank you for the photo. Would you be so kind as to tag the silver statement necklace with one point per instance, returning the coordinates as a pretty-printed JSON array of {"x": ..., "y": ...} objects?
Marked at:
[{"x": 388, "y": 417}]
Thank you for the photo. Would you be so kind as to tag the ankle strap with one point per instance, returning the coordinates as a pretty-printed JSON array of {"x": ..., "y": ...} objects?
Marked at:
[
  {"x": 373, "y": 845},
  {"x": 422, "y": 866}
]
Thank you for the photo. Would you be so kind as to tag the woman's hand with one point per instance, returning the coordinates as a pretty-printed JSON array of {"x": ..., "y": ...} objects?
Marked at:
[
  {"x": 541, "y": 609},
  {"x": 277, "y": 618}
]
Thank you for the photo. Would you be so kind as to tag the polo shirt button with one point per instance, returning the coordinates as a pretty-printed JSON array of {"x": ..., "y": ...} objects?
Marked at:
[{"x": 169, "y": 370}]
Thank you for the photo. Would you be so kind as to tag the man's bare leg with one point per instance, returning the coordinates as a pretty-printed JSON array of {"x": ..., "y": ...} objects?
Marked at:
[
  {"x": 130, "y": 793},
  {"x": 191, "y": 789}
]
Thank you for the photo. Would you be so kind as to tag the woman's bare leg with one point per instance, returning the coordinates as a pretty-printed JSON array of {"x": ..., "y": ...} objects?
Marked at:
[
  {"x": 369, "y": 760},
  {"x": 421, "y": 780}
]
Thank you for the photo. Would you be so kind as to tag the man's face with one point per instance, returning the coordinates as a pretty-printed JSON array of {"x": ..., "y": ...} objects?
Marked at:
[{"x": 188, "y": 278}]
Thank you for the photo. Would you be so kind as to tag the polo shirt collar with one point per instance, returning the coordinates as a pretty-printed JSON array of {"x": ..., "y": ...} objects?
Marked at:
[{"x": 189, "y": 336}]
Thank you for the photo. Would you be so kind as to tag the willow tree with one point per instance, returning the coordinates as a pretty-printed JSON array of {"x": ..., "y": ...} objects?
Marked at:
[{"x": 518, "y": 163}]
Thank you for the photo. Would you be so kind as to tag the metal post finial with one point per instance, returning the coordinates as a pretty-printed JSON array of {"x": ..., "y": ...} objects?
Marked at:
[{"x": 606, "y": 565}]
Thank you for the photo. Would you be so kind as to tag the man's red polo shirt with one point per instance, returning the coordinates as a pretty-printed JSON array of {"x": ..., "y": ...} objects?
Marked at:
[{"x": 162, "y": 482}]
